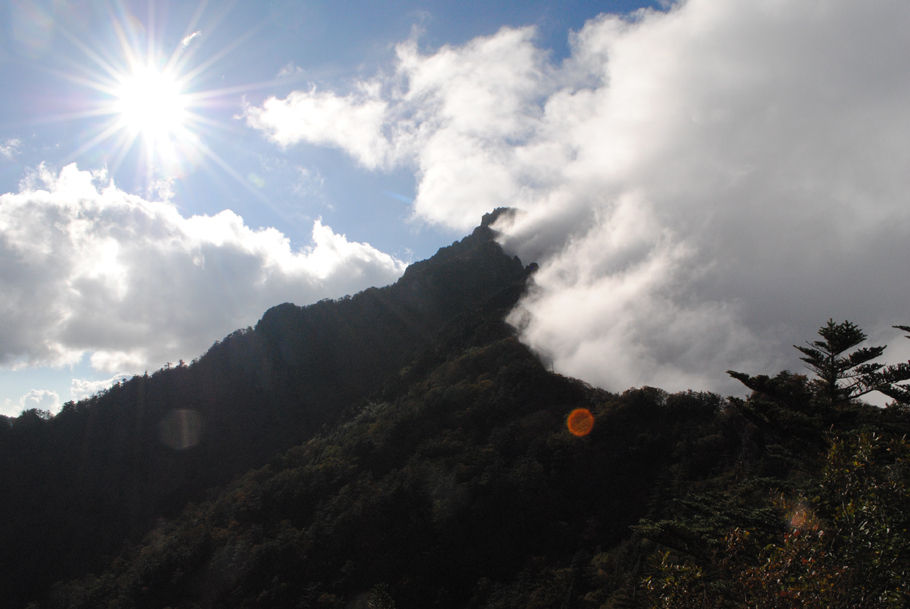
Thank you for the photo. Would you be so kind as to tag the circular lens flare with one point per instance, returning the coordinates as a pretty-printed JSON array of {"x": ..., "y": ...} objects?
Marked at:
[{"x": 580, "y": 422}]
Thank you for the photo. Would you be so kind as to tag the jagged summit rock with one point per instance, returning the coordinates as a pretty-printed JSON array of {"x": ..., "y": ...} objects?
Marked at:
[{"x": 490, "y": 218}]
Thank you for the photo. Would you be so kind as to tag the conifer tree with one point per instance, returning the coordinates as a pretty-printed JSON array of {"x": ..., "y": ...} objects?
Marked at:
[
  {"x": 842, "y": 372},
  {"x": 894, "y": 375},
  {"x": 831, "y": 364}
]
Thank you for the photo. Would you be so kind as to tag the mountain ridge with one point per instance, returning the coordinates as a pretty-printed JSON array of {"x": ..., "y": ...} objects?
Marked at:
[
  {"x": 143, "y": 448},
  {"x": 402, "y": 449}
]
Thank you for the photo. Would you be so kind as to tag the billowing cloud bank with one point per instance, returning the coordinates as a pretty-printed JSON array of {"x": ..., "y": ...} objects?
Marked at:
[
  {"x": 89, "y": 269},
  {"x": 703, "y": 187}
]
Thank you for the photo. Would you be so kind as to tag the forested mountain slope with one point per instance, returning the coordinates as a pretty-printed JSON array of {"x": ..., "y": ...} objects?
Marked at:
[
  {"x": 459, "y": 485},
  {"x": 402, "y": 449},
  {"x": 78, "y": 484}
]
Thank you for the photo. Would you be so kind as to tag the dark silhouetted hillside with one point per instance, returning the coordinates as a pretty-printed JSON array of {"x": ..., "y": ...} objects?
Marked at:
[
  {"x": 402, "y": 449},
  {"x": 459, "y": 485},
  {"x": 78, "y": 484}
]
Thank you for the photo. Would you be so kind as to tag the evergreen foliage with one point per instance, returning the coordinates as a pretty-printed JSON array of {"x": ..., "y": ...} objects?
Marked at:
[
  {"x": 842, "y": 372},
  {"x": 827, "y": 360}
]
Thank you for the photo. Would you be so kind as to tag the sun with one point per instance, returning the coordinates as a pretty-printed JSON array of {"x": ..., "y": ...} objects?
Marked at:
[
  {"x": 151, "y": 103},
  {"x": 149, "y": 112},
  {"x": 151, "y": 115},
  {"x": 150, "y": 106}
]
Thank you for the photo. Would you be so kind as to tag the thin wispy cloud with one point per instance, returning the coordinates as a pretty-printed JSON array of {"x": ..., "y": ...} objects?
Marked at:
[
  {"x": 10, "y": 148},
  {"x": 187, "y": 40},
  {"x": 290, "y": 70},
  {"x": 309, "y": 184}
]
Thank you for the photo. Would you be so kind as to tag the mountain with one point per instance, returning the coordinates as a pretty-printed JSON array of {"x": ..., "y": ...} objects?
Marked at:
[
  {"x": 402, "y": 449},
  {"x": 103, "y": 470}
]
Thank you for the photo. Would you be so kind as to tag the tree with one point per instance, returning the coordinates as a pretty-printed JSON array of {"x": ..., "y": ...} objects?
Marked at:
[
  {"x": 899, "y": 393},
  {"x": 827, "y": 360},
  {"x": 841, "y": 374},
  {"x": 845, "y": 544}
]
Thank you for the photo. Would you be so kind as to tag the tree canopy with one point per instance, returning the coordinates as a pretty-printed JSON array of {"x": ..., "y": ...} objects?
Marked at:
[{"x": 843, "y": 370}]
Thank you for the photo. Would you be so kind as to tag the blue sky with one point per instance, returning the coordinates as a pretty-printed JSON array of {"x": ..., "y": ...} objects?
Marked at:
[
  {"x": 56, "y": 61},
  {"x": 243, "y": 48},
  {"x": 704, "y": 183}
]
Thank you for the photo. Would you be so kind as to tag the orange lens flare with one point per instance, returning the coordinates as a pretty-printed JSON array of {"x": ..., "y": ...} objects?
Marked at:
[{"x": 580, "y": 422}]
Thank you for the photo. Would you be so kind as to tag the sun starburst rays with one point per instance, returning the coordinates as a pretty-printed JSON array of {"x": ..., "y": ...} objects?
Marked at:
[
  {"x": 145, "y": 110},
  {"x": 144, "y": 103}
]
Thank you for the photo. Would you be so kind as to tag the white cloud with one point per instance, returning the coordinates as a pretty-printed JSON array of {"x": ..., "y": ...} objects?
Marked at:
[
  {"x": 10, "y": 148},
  {"x": 162, "y": 189},
  {"x": 41, "y": 399},
  {"x": 81, "y": 389},
  {"x": 703, "y": 187},
  {"x": 455, "y": 115},
  {"x": 187, "y": 40},
  {"x": 755, "y": 135},
  {"x": 89, "y": 269},
  {"x": 353, "y": 122}
]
